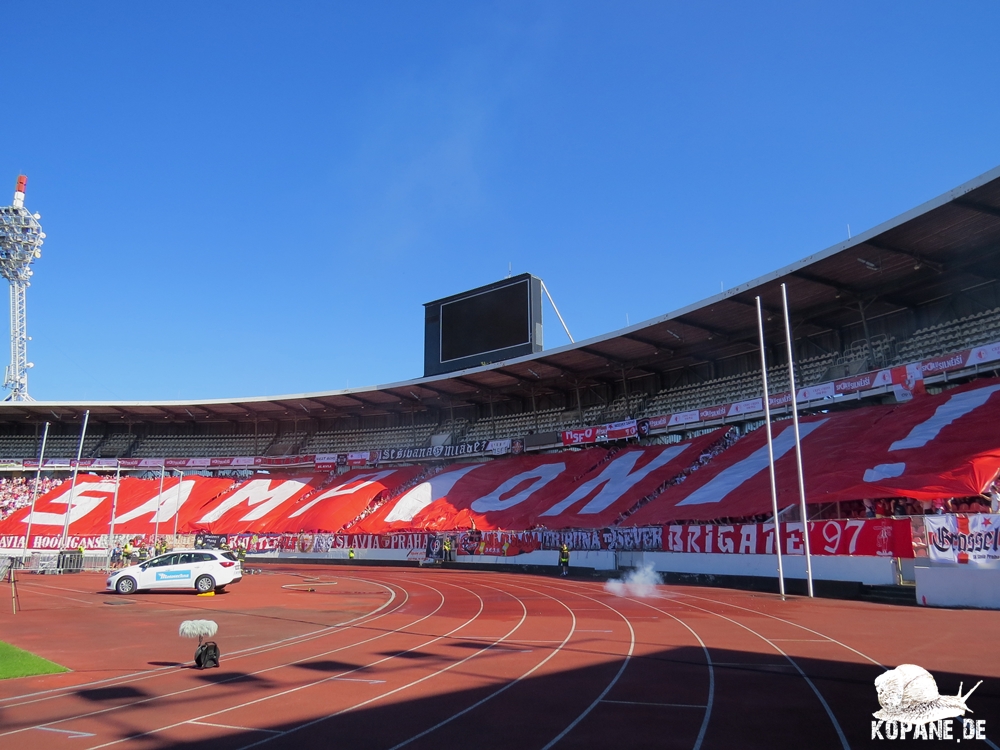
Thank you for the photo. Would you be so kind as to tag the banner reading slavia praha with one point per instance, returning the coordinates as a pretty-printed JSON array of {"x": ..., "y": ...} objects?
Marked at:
[{"x": 964, "y": 539}]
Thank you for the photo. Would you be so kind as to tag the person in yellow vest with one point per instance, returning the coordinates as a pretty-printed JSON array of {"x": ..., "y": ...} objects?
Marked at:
[
  {"x": 564, "y": 559},
  {"x": 127, "y": 552},
  {"x": 446, "y": 549},
  {"x": 350, "y": 553}
]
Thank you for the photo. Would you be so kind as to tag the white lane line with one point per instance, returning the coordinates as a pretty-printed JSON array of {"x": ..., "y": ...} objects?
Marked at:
[
  {"x": 614, "y": 680},
  {"x": 708, "y": 663},
  {"x": 779, "y": 619},
  {"x": 482, "y": 606},
  {"x": 776, "y": 647},
  {"x": 31, "y": 585},
  {"x": 264, "y": 648},
  {"x": 593, "y": 631},
  {"x": 663, "y": 705},
  {"x": 281, "y": 666},
  {"x": 351, "y": 679},
  {"x": 240, "y": 676},
  {"x": 230, "y": 726},
  {"x": 324, "y": 680},
  {"x": 751, "y": 665},
  {"x": 804, "y": 640},
  {"x": 292, "y": 640},
  {"x": 73, "y": 734},
  {"x": 509, "y": 684}
]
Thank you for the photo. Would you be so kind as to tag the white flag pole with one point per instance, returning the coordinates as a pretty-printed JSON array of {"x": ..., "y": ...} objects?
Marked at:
[
  {"x": 72, "y": 486},
  {"x": 798, "y": 442},
  {"x": 114, "y": 510},
  {"x": 159, "y": 504},
  {"x": 770, "y": 451},
  {"x": 34, "y": 492}
]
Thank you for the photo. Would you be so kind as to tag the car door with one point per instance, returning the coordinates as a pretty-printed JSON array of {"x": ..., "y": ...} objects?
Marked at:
[
  {"x": 201, "y": 562},
  {"x": 164, "y": 572}
]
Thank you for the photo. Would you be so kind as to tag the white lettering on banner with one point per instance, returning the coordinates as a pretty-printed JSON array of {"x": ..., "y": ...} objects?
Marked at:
[
  {"x": 345, "y": 488},
  {"x": 748, "y": 539},
  {"x": 729, "y": 479},
  {"x": 857, "y": 525},
  {"x": 540, "y": 476},
  {"x": 725, "y": 541},
  {"x": 257, "y": 494},
  {"x": 769, "y": 538},
  {"x": 793, "y": 539},
  {"x": 170, "y": 501},
  {"x": 85, "y": 499},
  {"x": 693, "y": 533},
  {"x": 617, "y": 478},
  {"x": 954, "y": 408},
  {"x": 425, "y": 493}
]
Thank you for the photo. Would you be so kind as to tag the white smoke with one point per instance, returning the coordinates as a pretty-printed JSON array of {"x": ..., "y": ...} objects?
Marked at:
[{"x": 639, "y": 582}]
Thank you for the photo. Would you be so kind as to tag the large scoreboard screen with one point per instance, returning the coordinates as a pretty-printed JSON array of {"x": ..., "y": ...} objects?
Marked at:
[{"x": 489, "y": 324}]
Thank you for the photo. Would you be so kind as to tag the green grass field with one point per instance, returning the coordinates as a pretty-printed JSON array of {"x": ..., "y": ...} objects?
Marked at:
[{"x": 17, "y": 663}]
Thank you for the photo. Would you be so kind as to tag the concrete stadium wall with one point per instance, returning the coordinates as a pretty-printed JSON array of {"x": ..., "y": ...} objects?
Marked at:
[
  {"x": 958, "y": 586},
  {"x": 867, "y": 570}
]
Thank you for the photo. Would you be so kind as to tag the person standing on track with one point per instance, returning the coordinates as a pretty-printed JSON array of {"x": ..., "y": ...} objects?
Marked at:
[
  {"x": 350, "y": 553},
  {"x": 564, "y": 559}
]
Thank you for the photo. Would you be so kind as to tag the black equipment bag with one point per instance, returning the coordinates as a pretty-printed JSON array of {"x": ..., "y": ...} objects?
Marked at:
[{"x": 207, "y": 655}]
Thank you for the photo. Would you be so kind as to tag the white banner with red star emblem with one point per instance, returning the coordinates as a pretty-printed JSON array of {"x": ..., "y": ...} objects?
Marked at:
[{"x": 964, "y": 539}]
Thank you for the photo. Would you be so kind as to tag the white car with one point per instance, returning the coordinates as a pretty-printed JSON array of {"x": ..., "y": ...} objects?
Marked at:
[{"x": 202, "y": 570}]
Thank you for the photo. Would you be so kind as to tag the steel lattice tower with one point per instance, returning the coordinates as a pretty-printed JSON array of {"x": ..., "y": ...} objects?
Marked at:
[{"x": 21, "y": 238}]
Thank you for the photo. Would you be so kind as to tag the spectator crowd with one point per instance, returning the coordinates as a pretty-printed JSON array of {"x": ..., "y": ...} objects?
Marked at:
[{"x": 16, "y": 492}]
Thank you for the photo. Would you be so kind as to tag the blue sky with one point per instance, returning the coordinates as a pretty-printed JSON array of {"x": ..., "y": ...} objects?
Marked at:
[{"x": 255, "y": 199}]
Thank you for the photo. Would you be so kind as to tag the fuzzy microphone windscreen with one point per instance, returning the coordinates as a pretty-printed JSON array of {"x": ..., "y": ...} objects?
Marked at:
[{"x": 198, "y": 629}]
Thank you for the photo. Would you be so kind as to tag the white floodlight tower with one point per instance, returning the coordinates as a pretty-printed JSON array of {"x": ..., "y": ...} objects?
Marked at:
[{"x": 21, "y": 239}]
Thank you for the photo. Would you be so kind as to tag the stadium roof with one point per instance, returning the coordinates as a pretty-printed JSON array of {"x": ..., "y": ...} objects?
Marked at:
[{"x": 946, "y": 245}]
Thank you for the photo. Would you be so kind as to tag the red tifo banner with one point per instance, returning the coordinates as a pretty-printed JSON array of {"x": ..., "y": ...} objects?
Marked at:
[{"x": 932, "y": 447}]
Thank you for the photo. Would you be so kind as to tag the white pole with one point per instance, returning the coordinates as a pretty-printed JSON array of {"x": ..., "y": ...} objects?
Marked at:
[
  {"x": 34, "y": 492},
  {"x": 159, "y": 503},
  {"x": 72, "y": 487},
  {"x": 798, "y": 443},
  {"x": 114, "y": 510},
  {"x": 558, "y": 315},
  {"x": 770, "y": 452},
  {"x": 177, "y": 500}
]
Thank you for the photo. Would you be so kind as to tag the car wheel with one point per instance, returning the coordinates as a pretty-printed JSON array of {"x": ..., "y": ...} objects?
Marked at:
[
  {"x": 125, "y": 585},
  {"x": 204, "y": 584}
]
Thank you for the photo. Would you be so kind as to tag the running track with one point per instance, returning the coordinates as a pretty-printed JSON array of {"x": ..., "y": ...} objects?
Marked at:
[{"x": 359, "y": 657}]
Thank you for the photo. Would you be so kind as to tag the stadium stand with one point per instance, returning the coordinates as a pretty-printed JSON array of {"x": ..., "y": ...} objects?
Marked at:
[
  {"x": 198, "y": 446},
  {"x": 953, "y": 335}
]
